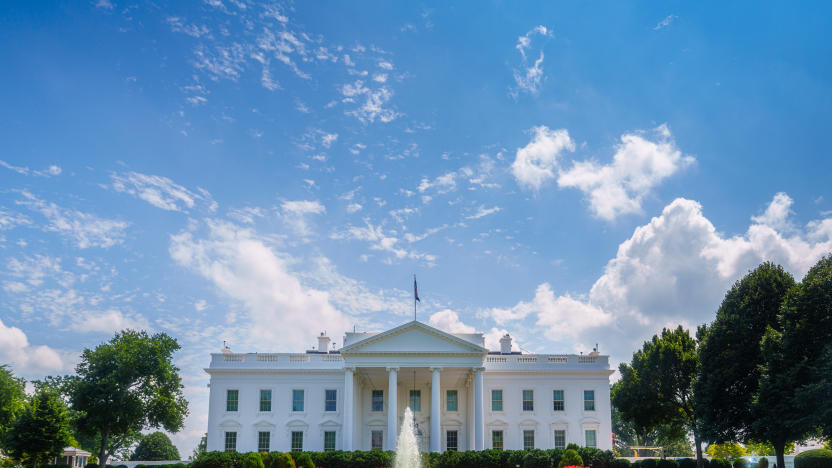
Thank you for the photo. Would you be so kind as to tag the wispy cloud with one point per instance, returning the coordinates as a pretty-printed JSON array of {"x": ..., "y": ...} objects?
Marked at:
[
  {"x": 161, "y": 191},
  {"x": 529, "y": 77},
  {"x": 85, "y": 229},
  {"x": 665, "y": 22}
]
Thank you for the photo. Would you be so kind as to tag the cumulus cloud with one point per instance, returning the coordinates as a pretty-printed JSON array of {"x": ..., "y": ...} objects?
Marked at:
[
  {"x": 673, "y": 270},
  {"x": 639, "y": 164},
  {"x": 242, "y": 266},
  {"x": 448, "y": 320},
  {"x": 161, "y": 192},
  {"x": 85, "y": 229},
  {"x": 536, "y": 162},
  {"x": 25, "y": 358},
  {"x": 381, "y": 240}
]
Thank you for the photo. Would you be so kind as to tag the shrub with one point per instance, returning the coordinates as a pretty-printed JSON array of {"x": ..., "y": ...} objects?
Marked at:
[
  {"x": 637, "y": 464},
  {"x": 570, "y": 458},
  {"x": 554, "y": 456},
  {"x": 491, "y": 458},
  {"x": 687, "y": 463},
  {"x": 514, "y": 458},
  {"x": 819, "y": 458},
  {"x": 536, "y": 458},
  {"x": 254, "y": 460},
  {"x": 762, "y": 463},
  {"x": 665, "y": 463},
  {"x": 58, "y": 465},
  {"x": 648, "y": 463},
  {"x": 92, "y": 465},
  {"x": 622, "y": 463},
  {"x": 303, "y": 460},
  {"x": 719, "y": 463}
]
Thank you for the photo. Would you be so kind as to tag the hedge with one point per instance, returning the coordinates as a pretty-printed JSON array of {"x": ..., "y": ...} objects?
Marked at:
[
  {"x": 166, "y": 465},
  {"x": 535, "y": 458},
  {"x": 688, "y": 463},
  {"x": 666, "y": 463},
  {"x": 820, "y": 458}
]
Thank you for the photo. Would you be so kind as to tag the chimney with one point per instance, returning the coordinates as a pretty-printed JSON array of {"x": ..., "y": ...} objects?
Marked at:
[
  {"x": 323, "y": 343},
  {"x": 505, "y": 344}
]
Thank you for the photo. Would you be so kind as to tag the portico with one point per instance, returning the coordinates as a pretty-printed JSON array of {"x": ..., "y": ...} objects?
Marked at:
[{"x": 414, "y": 360}]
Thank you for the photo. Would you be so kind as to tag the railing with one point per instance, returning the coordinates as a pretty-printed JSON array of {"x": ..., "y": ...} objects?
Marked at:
[
  {"x": 526, "y": 360},
  {"x": 298, "y": 358},
  {"x": 587, "y": 359},
  {"x": 267, "y": 357},
  {"x": 276, "y": 361},
  {"x": 544, "y": 361},
  {"x": 558, "y": 359},
  {"x": 495, "y": 359},
  {"x": 228, "y": 357}
]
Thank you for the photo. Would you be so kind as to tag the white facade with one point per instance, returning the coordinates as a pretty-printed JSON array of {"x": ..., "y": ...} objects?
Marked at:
[{"x": 325, "y": 399}]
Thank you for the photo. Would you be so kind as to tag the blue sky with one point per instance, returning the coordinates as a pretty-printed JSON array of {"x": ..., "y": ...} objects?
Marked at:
[{"x": 573, "y": 173}]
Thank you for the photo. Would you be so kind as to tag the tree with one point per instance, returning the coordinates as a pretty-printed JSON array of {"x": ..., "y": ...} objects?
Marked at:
[
  {"x": 656, "y": 388},
  {"x": 12, "y": 400},
  {"x": 727, "y": 450},
  {"x": 201, "y": 448},
  {"x": 126, "y": 385},
  {"x": 42, "y": 431},
  {"x": 673, "y": 439},
  {"x": 154, "y": 447},
  {"x": 806, "y": 345},
  {"x": 739, "y": 378},
  {"x": 760, "y": 449}
]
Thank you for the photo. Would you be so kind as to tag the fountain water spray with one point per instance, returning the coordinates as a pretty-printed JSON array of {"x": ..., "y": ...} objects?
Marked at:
[{"x": 407, "y": 449}]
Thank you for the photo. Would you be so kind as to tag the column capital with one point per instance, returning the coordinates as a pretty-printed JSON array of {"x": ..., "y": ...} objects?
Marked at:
[
  {"x": 394, "y": 369},
  {"x": 478, "y": 369},
  {"x": 349, "y": 368},
  {"x": 435, "y": 369}
]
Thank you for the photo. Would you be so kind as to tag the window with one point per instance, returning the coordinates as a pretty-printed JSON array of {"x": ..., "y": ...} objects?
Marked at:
[
  {"x": 263, "y": 441},
  {"x": 451, "y": 400},
  {"x": 416, "y": 400},
  {"x": 560, "y": 439},
  {"x": 451, "y": 438},
  {"x": 528, "y": 400},
  {"x": 557, "y": 400},
  {"x": 330, "y": 398},
  {"x": 590, "y": 438},
  {"x": 497, "y": 440},
  {"x": 230, "y": 441},
  {"x": 297, "y": 441},
  {"x": 329, "y": 441},
  {"x": 376, "y": 440},
  {"x": 378, "y": 400},
  {"x": 589, "y": 400},
  {"x": 232, "y": 398},
  {"x": 528, "y": 440},
  {"x": 496, "y": 400},
  {"x": 297, "y": 400},
  {"x": 265, "y": 400}
]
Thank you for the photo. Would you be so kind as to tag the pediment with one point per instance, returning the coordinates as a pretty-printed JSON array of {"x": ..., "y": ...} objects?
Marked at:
[{"x": 413, "y": 337}]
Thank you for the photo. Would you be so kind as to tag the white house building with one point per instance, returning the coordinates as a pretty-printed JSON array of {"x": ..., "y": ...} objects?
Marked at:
[{"x": 463, "y": 396}]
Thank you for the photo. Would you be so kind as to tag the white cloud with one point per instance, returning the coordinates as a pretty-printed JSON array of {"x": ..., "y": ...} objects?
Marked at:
[
  {"x": 200, "y": 305},
  {"x": 245, "y": 268},
  {"x": 535, "y": 163},
  {"x": 442, "y": 184},
  {"x": 639, "y": 164},
  {"x": 673, "y": 270},
  {"x": 10, "y": 220},
  {"x": 448, "y": 320},
  {"x": 85, "y": 229},
  {"x": 665, "y": 22},
  {"x": 161, "y": 191},
  {"x": 482, "y": 211},
  {"x": 25, "y": 358},
  {"x": 302, "y": 207},
  {"x": 108, "y": 321},
  {"x": 328, "y": 139},
  {"x": 777, "y": 213},
  {"x": 354, "y": 207},
  {"x": 50, "y": 171},
  {"x": 527, "y": 77},
  {"x": 381, "y": 241},
  {"x": 375, "y": 100}
]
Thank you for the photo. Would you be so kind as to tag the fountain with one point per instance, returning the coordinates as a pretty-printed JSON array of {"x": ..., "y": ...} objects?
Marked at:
[{"x": 407, "y": 449}]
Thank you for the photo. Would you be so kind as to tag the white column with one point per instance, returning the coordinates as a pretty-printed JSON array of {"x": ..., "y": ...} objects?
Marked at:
[
  {"x": 478, "y": 419},
  {"x": 469, "y": 397},
  {"x": 349, "y": 407},
  {"x": 435, "y": 411},
  {"x": 392, "y": 407}
]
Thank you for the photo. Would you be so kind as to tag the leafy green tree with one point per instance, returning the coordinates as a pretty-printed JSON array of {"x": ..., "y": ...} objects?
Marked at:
[
  {"x": 760, "y": 449},
  {"x": 154, "y": 447},
  {"x": 42, "y": 431},
  {"x": 12, "y": 400},
  {"x": 740, "y": 377},
  {"x": 673, "y": 439},
  {"x": 656, "y": 388},
  {"x": 806, "y": 346},
  {"x": 727, "y": 450},
  {"x": 128, "y": 384},
  {"x": 201, "y": 448}
]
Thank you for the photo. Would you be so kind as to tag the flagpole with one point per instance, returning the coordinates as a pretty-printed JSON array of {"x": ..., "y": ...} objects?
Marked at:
[{"x": 414, "y": 297}]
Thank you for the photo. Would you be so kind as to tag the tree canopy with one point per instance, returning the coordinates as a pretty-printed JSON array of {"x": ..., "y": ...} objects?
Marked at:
[
  {"x": 155, "y": 447},
  {"x": 41, "y": 431},
  {"x": 128, "y": 384},
  {"x": 744, "y": 383},
  {"x": 12, "y": 400},
  {"x": 656, "y": 388}
]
